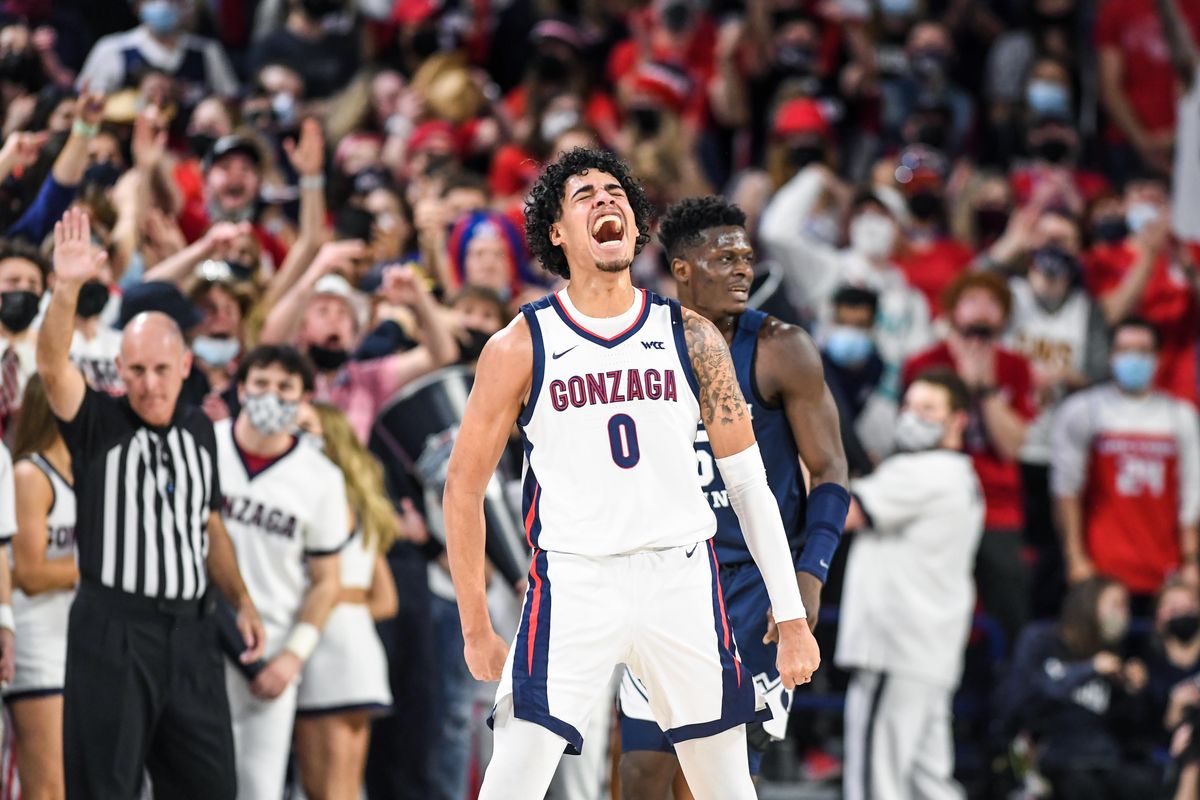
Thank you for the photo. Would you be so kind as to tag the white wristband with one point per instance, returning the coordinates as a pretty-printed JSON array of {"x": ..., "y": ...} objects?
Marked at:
[
  {"x": 7, "y": 620},
  {"x": 303, "y": 640},
  {"x": 758, "y": 512}
]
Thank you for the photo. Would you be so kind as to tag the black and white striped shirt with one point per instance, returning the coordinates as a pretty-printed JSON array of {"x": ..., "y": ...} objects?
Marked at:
[{"x": 143, "y": 496}]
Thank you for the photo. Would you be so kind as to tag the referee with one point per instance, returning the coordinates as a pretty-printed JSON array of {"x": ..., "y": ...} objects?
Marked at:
[{"x": 145, "y": 679}]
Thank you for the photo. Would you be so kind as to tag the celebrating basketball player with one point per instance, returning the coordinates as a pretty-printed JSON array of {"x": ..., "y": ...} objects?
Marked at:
[
  {"x": 608, "y": 383},
  {"x": 795, "y": 419}
]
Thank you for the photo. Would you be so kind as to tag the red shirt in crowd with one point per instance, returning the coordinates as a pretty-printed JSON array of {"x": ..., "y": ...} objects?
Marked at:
[
  {"x": 1090, "y": 185},
  {"x": 1148, "y": 79},
  {"x": 931, "y": 266},
  {"x": 999, "y": 477},
  {"x": 1169, "y": 302}
]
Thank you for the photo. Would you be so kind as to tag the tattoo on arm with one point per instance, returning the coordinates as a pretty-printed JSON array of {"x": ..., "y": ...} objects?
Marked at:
[{"x": 721, "y": 400}]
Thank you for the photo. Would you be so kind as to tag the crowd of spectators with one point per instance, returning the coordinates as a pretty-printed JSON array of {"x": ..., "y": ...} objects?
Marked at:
[{"x": 1008, "y": 189}]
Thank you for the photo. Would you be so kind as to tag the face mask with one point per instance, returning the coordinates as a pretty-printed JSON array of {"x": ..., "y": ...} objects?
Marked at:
[
  {"x": 1139, "y": 215},
  {"x": 1183, "y": 628},
  {"x": 648, "y": 121},
  {"x": 1110, "y": 230},
  {"x": 1054, "y": 151},
  {"x": 848, "y": 346},
  {"x": 1113, "y": 627},
  {"x": 327, "y": 359},
  {"x": 470, "y": 346},
  {"x": 801, "y": 156},
  {"x": 550, "y": 68},
  {"x": 925, "y": 205},
  {"x": 1133, "y": 371},
  {"x": 200, "y": 144},
  {"x": 103, "y": 174},
  {"x": 872, "y": 235},
  {"x": 796, "y": 59},
  {"x": 978, "y": 330},
  {"x": 990, "y": 223},
  {"x": 160, "y": 16},
  {"x": 915, "y": 433},
  {"x": 930, "y": 65},
  {"x": 677, "y": 17},
  {"x": 1047, "y": 97},
  {"x": 557, "y": 123},
  {"x": 18, "y": 309},
  {"x": 216, "y": 351},
  {"x": 932, "y": 135},
  {"x": 897, "y": 8},
  {"x": 284, "y": 106},
  {"x": 93, "y": 297},
  {"x": 268, "y": 414}
]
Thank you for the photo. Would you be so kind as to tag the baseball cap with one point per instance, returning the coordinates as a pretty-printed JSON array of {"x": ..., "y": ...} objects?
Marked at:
[
  {"x": 801, "y": 115},
  {"x": 158, "y": 296},
  {"x": 234, "y": 143},
  {"x": 335, "y": 285}
]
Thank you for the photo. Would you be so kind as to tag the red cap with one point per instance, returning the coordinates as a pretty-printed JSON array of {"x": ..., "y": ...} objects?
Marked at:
[
  {"x": 801, "y": 115},
  {"x": 665, "y": 83},
  {"x": 414, "y": 12},
  {"x": 425, "y": 134}
]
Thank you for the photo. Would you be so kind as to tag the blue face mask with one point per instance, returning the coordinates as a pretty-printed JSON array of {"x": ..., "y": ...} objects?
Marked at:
[
  {"x": 849, "y": 347},
  {"x": 1047, "y": 97},
  {"x": 1139, "y": 215},
  {"x": 160, "y": 16},
  {"x": 897, "y": 8},
  {"x": 1133, "y": 371}
]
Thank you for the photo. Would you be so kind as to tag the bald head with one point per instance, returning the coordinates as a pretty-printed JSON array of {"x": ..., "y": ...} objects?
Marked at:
[
  {"x": 154, "y": 362},
  {"x": 154, "y": 329}
]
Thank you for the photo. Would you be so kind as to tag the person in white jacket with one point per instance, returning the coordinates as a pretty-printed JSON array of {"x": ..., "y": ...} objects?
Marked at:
[{"x": 814, "y": 270}]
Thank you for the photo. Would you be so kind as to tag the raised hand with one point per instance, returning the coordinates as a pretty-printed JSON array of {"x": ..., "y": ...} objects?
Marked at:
[
  {"x": 89, "y": 106},
  {"x": 339, "y": 256},
  {"x": 308, "y": 155},
  {"x": 21, "y": 149},
  {"x": 222, "y": 236},
  {"x": 149, "y": 143},
  {"x": 401, "y": 286},
  {"x": 76, "y": 259}
]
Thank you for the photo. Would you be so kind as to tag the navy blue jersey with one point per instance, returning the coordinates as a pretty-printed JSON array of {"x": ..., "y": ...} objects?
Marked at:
[{"x": 778, "y": 448}]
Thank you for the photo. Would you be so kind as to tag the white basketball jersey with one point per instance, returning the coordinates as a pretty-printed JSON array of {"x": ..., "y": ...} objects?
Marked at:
[
  {"x": 293, "y": 508},
  {"x": 609, "y": 431},
  {"x": 1052, "y": 339},
  {"x": 49, "y": 608},
  {"x": 358, "y": 563},
  {"x": 1185, "y": 221}
]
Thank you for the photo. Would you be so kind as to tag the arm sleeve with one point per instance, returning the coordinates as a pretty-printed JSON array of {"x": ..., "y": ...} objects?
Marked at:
[
  {"x": 1095, "y": 360},
  {"x": 1072, "y": 439},
  {"x": 330, "y": 528},
  {"x": 888, "y": 497},
  {"x": 52, "y": 201},
  {"x": 103, "y": 69},
  {"x": 758, "y": 512},
  {"x": 1189, "y": 465},
  {"x": 84, "y": 433},
  {"x": 220, "y": 72},
  {"x": 8, "y": 496}
]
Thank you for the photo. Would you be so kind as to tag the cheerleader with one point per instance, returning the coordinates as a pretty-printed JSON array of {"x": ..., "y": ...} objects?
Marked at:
[
  {"x": 44, "y": 575},
  {"x": 345, "y": 681}
]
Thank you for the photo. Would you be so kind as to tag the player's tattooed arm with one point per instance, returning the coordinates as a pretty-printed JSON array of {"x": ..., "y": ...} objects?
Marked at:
[{"x": 722, "y": 407}]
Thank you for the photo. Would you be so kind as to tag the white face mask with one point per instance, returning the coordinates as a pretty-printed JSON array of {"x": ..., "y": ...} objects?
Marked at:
[
  {"x": 872, "y": 235},
  {"x": 269, "y": 414},
  {"x": 914, "y": 433}
]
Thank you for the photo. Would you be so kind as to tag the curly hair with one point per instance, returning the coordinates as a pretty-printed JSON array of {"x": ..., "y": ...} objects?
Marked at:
[
  {"x": 544, "y": 204},
  {"x": 685, "y": 222}
]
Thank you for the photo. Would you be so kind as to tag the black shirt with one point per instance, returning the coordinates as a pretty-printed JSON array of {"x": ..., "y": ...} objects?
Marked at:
[{"x": 143, "y": 496}]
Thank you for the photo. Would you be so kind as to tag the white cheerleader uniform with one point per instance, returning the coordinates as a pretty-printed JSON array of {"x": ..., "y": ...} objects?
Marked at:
[
  {"x": 41, "y": 635},
  {"x": 348, "y": 671}
]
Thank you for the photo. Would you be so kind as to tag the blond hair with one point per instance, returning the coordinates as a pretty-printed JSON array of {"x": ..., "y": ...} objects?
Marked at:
[{"x": 364, "y": 480}]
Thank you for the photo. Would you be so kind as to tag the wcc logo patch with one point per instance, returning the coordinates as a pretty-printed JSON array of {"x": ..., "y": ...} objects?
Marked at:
[{"x": 654, "y": 345}]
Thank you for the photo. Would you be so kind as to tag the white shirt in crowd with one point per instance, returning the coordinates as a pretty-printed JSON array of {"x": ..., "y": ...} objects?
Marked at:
[
  {"x": 910, "y": 594},
  {"x": 1073, "y": 336},
  {"x": 8, "y": 496},
  {"x": 104, "y": 68}
]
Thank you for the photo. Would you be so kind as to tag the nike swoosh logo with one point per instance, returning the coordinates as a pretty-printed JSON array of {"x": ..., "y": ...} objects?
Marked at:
[
  {"x": 689, "y": 552},
  {"x": 564, "y": 352}
]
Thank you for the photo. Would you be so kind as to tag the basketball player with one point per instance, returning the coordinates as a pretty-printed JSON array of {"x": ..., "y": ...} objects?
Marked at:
[
  {"x": 285, "y": 509},
  {"x": 608, "y": 383},
  {"x": 795, "y": 419}
]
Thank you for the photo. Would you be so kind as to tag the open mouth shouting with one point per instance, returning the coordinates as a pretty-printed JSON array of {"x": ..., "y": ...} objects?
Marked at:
[{"x": 608, "y": 231}]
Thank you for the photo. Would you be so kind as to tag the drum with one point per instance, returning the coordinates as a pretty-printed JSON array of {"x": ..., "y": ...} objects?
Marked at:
[{"x": 413, "y": 436}]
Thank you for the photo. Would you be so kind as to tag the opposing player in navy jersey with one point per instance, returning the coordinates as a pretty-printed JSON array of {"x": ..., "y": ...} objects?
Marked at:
[
  {"x": 795, "y": 419},
  {"x": 608, "y": 384}
]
